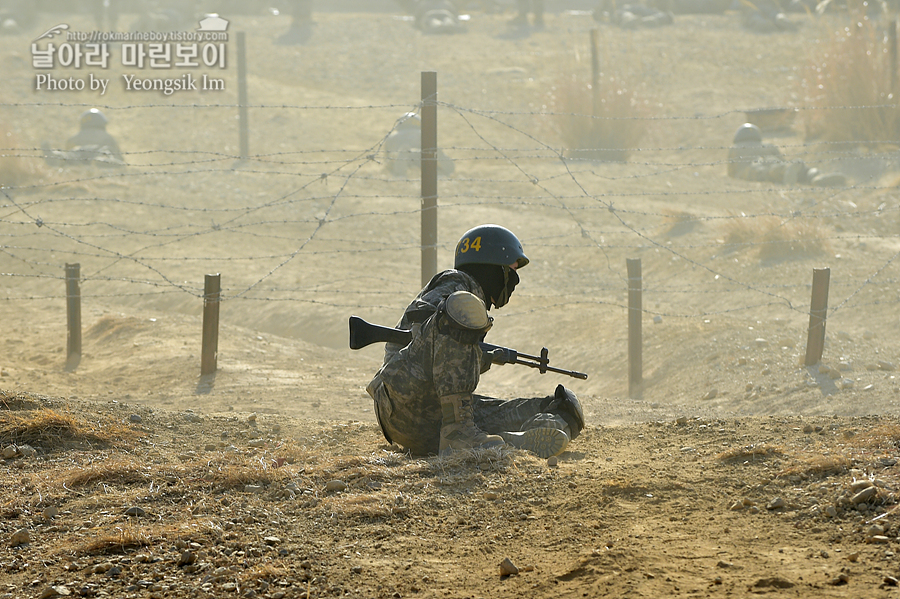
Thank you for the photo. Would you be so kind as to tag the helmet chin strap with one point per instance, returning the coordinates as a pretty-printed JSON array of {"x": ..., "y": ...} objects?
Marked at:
[{"x": 510, "y": 280}]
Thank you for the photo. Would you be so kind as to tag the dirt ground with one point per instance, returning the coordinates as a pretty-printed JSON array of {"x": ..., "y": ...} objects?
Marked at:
[{"x": 737, "y": 471}]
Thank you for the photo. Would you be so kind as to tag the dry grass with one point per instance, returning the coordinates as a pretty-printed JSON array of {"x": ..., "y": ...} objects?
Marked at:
[
  {"x": 817, "y": 465},
  {"x": 236, "y": 476},
  {"x": 678, "y": 222},
  {"x": 218, "y": 474},
  {"x": 882, "y": 438},
  {"x": 10, "y": 400},
  {"x": 750, "y": 453},
  {"x": 777, "y": 239},
  {"x": 117, "y": 470},
  {"x": 360, "y": 506},
  {"x": 498, "y": 459},
  {"x": 50, "y": 430},
  {"x": 605, "y": 125},
  {"x": 122, "y": 539},
  {"x": 16, "y": 168},
  {"x": 851, "y": 89},
  {"x": 262, "y": 572}
]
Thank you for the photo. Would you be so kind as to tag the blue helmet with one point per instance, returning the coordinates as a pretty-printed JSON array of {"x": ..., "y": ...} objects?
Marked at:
[{"x": 489, "y": 244}]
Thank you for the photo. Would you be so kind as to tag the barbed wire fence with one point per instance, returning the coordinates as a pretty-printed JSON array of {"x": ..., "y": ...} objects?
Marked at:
[{"x": 332, "y": 230}]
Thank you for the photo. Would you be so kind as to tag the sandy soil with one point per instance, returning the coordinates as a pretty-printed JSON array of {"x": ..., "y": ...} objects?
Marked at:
[{"x": 737, "y": 471}]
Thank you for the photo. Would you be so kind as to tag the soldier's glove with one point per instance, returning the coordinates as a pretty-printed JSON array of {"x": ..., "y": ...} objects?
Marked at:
[{"x": 502, "y": 355}]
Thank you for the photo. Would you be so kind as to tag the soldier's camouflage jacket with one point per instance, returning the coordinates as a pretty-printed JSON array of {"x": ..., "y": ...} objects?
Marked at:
[
  {"x": 753, "y": 161},
  {"x": 408, "y": 387}
]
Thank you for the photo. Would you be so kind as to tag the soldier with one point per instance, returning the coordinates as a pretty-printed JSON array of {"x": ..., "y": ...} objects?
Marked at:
[
  {"x": 402, "y": 148},
  {"x": 166, "y": 15},
  {"x": 535, "y": 8},
  {"x": 437, "y": 16},
  {"x": 301, "y": 11},
  {"x": 301, "y": 28},
  {"x": 749, "y": 158},
  {"x": 92, "y": 144},
  {"x": 106, "y": 14},
  {"x": 638, "y": 16},
  {"x": 424, "y": 392},
  {"x": 765, "y": 16},
  {"x": 17, "y": 16}
]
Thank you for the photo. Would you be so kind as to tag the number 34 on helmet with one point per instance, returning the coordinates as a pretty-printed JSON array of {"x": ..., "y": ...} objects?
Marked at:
[{"x": 490, "y": 244}]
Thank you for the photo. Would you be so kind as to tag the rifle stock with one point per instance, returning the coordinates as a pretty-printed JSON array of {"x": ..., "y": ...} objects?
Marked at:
[{"x": 364, "y": 333}]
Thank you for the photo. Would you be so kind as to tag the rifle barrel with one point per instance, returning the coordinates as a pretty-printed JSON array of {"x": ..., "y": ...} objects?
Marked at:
[
  {"x": 364, "y": 333},
  {"x": 571, "y": 373}
]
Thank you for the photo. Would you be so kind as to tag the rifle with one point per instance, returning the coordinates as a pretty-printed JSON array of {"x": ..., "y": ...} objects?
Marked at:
[{"x": 363, "y": 333}]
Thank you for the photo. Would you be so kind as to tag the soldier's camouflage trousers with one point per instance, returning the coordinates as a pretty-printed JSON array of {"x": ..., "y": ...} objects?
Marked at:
[{"x": 420, "y": 433}]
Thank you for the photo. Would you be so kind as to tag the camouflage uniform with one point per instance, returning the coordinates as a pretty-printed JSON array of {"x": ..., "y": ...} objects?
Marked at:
[
  {"x": 753, "y": 160},
  {"x": 402, "y": 148},
  {"x": 301, "y": 29},
  {"x": 409, "y": 386},
  {"x": 766, "y": 16},
  {"x": 637, "y": 16},
  {"x": 535, "y": 7},
  {"x": 17, "y": 16},
  {"x": 106, "y": 13},
  {"x": 95, "y": 144},
  {"x": 437, "y": 16},
  {"x": 91, "y": 145}
]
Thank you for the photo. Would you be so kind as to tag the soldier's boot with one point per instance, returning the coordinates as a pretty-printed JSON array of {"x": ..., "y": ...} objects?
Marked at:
[
  {"x": 543, "y": 441},
  {"x": 458, "y": 430},
  {"x": 569, "y": 409},
  {"x": 829, "y": 180}
]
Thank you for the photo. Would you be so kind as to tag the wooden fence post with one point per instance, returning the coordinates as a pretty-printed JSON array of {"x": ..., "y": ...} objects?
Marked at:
[
  {"x": 244, "y": 126},
  {"x": 635, "y": 312},
  {"x": 818, "y": 308},
  {"x": 210, "y": 349},
  {"x": 595, "y": 71},
  {"x": 73, "y": 316},
  {"x": 892, "y": 53},
  {"x": 429, "y": 176}
]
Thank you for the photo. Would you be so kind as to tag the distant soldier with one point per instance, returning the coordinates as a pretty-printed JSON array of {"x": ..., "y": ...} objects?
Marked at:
[
  {"x": 301, "y": 28},
  {"x": 17, "y": 16},
  {"x": 92, "y": 144},
  {"x": 766, "y": 16},
  {"x": 106, "y": 14},
  {"x": 749, "y": 158},
  {"x": 532, "y": 7},
  {"x": 437, "y": 16},
  {"x": 655, "y": 12},
  {"x": 166, "y": 15},
  {"x": 403, "y": 148},
  {"x": 301, "y": 12},
  {"x": 638, "y": 16}
]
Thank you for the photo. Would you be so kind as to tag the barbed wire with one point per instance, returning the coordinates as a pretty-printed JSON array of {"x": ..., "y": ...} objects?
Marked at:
[
  {"x": 414, "y": 107},
  {"x": 118, "y": 230}
]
